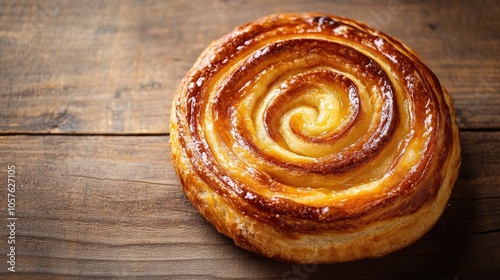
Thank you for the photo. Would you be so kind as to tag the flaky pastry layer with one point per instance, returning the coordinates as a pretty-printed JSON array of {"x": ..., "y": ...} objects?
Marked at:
[{"x": 312, "y": 138}]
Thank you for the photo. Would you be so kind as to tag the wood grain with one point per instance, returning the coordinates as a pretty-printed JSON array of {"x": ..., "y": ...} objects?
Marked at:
[
  {"x": 112, "y": 67},
  {"x": 112, "y": 207}
]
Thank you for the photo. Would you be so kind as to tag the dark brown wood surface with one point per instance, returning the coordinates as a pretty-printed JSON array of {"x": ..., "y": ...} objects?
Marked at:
[{"x": 85, "y": 93}]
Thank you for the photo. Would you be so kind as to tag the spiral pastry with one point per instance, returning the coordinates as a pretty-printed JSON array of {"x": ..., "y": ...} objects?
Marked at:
[{"x": 311, "y": 138}]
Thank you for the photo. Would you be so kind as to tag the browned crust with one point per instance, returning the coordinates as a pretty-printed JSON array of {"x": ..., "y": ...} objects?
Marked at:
[{"x": 243, "y": 213}]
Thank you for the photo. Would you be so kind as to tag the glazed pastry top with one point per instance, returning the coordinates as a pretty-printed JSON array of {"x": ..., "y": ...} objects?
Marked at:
[{"x": 311, "y": 123}]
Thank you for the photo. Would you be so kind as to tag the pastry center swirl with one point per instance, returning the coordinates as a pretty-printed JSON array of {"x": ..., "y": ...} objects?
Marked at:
[
  {"x": 308, "y": 112},
  {"x": 312, "y": 106}
]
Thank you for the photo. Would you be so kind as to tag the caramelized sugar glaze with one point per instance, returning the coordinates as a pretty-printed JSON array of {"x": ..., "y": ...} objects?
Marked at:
[{"x": 312, "y": 138}]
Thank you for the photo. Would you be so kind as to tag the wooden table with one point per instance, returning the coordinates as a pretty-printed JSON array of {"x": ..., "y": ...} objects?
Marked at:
[{"x": 85, "y": 93}]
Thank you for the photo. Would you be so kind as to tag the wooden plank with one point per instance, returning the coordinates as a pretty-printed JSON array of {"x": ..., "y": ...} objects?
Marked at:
[
  {"x": 112, "y": 67},
  {"x": 93, "y": 206}
]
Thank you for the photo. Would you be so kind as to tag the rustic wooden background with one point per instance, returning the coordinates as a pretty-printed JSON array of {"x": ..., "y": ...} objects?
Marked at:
[{"x": 85, "y": 93}]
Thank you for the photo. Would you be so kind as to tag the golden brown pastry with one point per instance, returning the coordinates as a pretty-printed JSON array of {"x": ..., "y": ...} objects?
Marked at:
[{"x": 312, "y": 138}]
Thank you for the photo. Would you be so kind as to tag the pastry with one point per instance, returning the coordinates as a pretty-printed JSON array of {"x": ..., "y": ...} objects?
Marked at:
[{"x": 312, "y": 138}]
